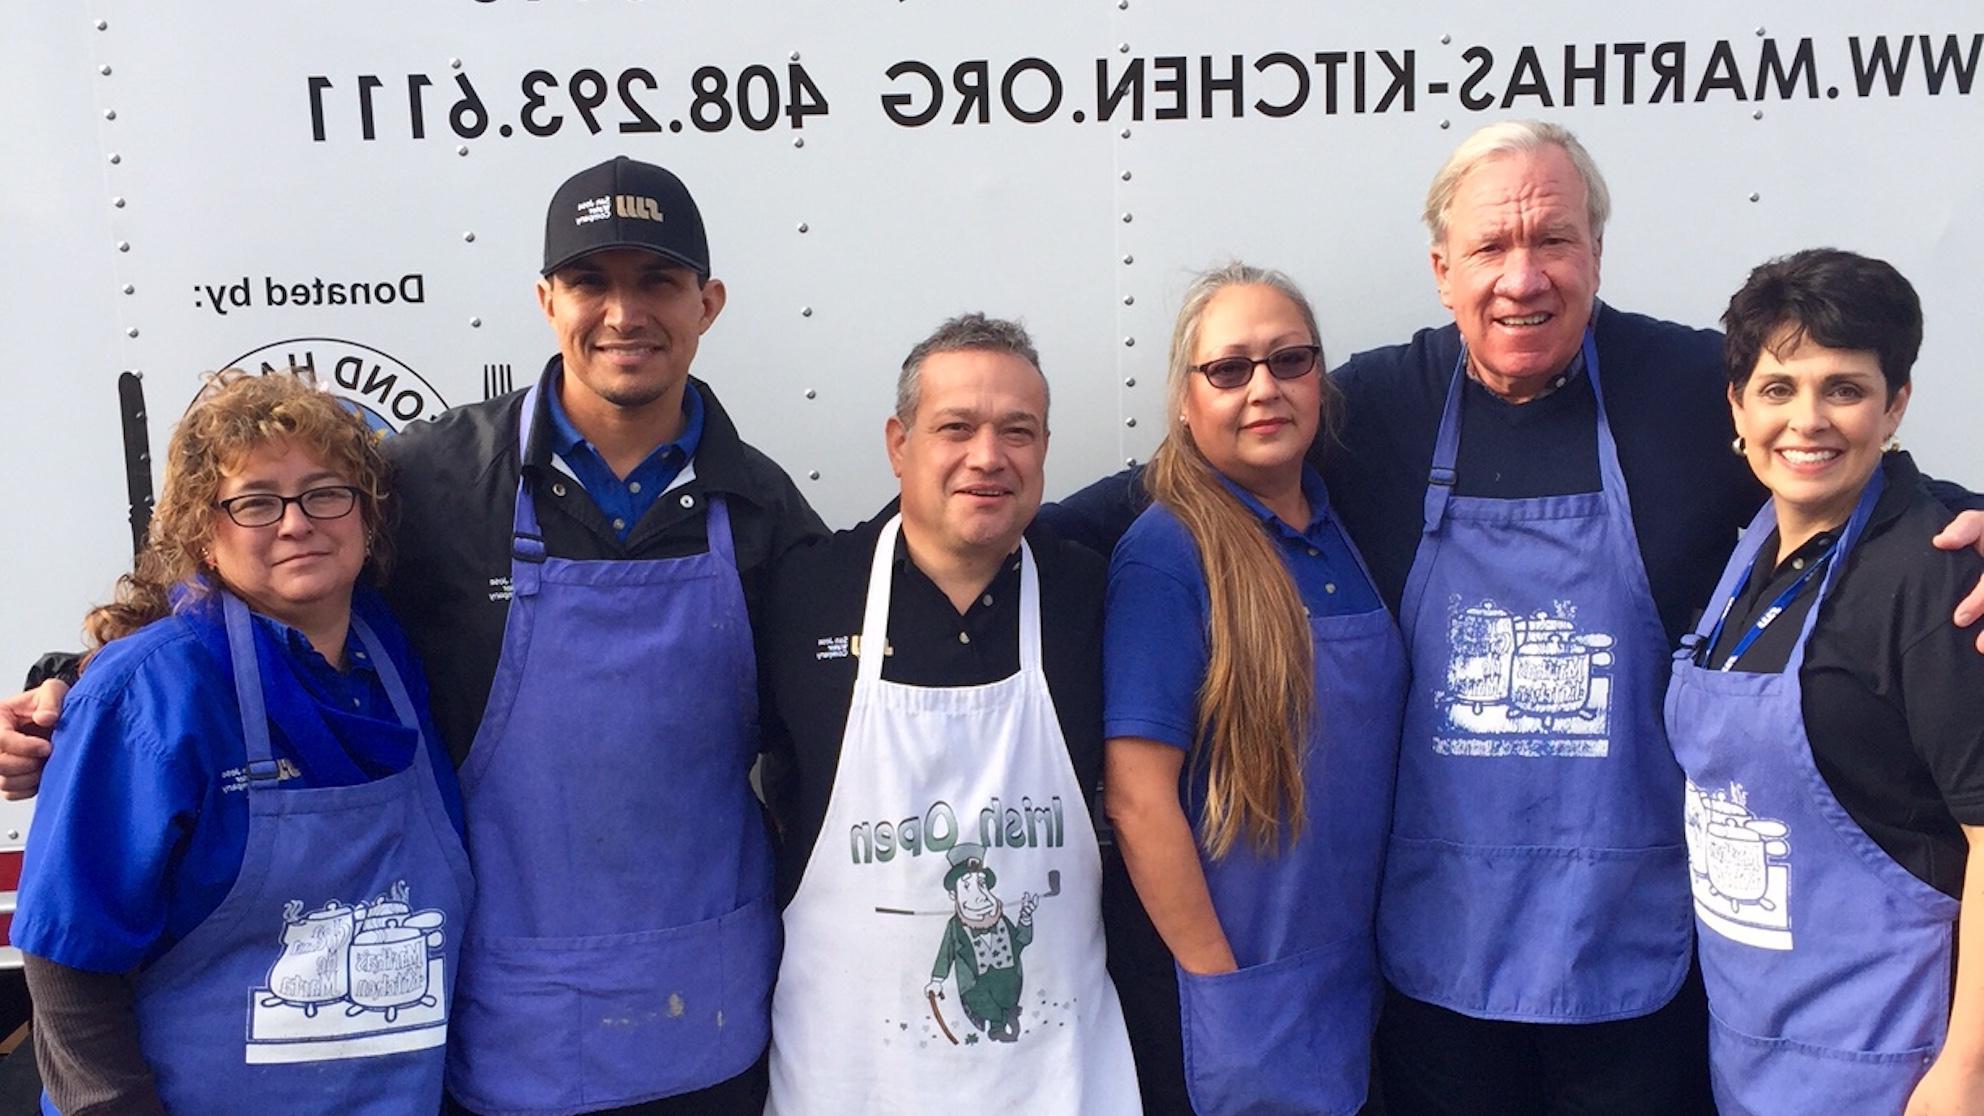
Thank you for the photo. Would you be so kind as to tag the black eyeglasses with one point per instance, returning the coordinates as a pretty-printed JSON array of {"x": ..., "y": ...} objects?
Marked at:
[
  {"x": 1292, "y": 363},
  {"x": 266, "y": 509}
]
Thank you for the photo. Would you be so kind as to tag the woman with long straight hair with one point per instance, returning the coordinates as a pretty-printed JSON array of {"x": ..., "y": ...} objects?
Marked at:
[{"x": 1253, "y": 686}]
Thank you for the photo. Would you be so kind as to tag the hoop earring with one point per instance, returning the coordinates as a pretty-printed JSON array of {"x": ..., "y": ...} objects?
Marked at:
[{"x": 1738, "y": 446}]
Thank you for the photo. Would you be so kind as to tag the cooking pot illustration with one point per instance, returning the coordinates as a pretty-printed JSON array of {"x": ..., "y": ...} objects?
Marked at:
[
  {"x": 1738, "y": 852},
  {"x": 1551, "y": 671},
  {"x": 389, "y": 964},
  {"x": 314, "y": 968},
  {"x": 1483, "y": 639}
]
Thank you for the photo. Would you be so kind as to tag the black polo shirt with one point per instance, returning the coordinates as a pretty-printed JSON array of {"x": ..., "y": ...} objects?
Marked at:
[
  {"x": 1893, "y": 693},
  {"x": 811, "y": 611}
]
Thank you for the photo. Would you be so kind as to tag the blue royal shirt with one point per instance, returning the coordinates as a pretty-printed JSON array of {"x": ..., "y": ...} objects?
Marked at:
[
  {"x": 624, "y": 500},
  {"x": 142, "y": 819},
  {"x": 1154, "y": 651}
]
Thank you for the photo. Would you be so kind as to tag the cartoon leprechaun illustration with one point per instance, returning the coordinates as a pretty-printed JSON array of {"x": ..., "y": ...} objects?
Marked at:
[{"x": 982, "y": 946}]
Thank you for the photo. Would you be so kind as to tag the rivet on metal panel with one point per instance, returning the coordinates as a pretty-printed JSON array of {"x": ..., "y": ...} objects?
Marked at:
[
  {"x": 1123, "y": 5},
  {"x": 123, "y": 246},
  {"x": 462, "y": 150},
  {"x": 1130, "y": 461},
  {"x": 811, "y": 394},
  {"x": 1129, "y": 342},
  {"x": 13, "y": 835},
  {"x": 802, "y": 226},
  {"x": 1126, "y": 176},
  {"x": 805, "y": 311},
  {"x": 1131, "y": 421},
  {"x": 1125, "y": 133},
  {"x": 115, "y": 158},
  {"x": 1127, "y": 217},
  {"x": 475, "y": 323},
  {"x": 468, "y": 238},
  {"x": 1129, "y": 300},
  {"x": 1757, "y": 115},
  {"x": 1760, "y": 32},
  {"x": 129, "y": 289},
  {"x": 799, "y": 141},
  {"x": 1129, "y": 381},
  {"x": 132, "y": 332},
  {"x": 118, "y": 202},
  {"x": 794, "y": 56},
  {"x": 104, "y": 70},
  {"x": 1445, "y": 124},
  {"x": 110, "y": 114},
  {"x": 1445, "y": 39},
  {"x": 812, "y": 474},
  {"x": 1122, "y": 48},
  {"x": 103, "y": 25},
  {"x": 1128, "y": 260},
  {"x": 454, "y": 63},
  {"x": 139, "y": 373},
  {"x": 1754, "y": 196}
]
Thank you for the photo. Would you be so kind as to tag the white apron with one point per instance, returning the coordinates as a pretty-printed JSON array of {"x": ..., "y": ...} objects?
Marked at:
[{"x": 944, "y": 950}]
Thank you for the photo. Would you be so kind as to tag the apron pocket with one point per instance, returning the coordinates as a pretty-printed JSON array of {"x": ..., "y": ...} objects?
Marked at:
[
  {"x": 1755, "y": 1076},
  {"x": 619, "y": 1018},
  {"x": 1291, "y": 1037},
  {"x": 1535, "y": 933}
]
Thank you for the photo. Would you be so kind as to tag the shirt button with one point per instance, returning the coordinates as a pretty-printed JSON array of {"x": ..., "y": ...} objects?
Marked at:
[
  {"x": 355, "y": 703},
  {"x": 1797, "y": 563},
  {"x": 688, "y": 501},
  {"x": 1329, "y": 586},
  {"x": 1314, "y": 553},
  {"x": 964, "y": 637},
  {"x": 619, "y": 524},
  {"x": 986, "y": 600},
  {"x": 634, "y": 487},
  {"x": 558, "y": 490}
]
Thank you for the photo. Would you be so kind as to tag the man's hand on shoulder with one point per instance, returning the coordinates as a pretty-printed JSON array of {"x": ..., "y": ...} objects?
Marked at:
[{"x": 26, "y": 719}]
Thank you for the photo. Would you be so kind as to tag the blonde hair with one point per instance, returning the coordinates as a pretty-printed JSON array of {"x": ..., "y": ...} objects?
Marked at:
[
  {"x": 1514, "y": 137},
  {"x": 1257, "y": 702},
  {"x": 237, "y": 414}
]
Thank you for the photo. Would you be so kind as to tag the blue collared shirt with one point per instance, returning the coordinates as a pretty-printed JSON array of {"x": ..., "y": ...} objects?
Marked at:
[
  {"x": 624, "y": 500},
  {"x": 1154, "y": 650}
]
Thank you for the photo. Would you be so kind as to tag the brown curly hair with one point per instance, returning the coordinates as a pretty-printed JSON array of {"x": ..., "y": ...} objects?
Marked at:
[{"x": 238, "y": 413}]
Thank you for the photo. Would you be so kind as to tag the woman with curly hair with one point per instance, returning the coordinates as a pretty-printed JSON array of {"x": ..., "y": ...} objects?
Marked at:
[{"x": 245, "y": 878}]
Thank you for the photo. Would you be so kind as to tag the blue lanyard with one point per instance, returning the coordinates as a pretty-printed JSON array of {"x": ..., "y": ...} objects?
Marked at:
[{"x": 1770, "y": 614}]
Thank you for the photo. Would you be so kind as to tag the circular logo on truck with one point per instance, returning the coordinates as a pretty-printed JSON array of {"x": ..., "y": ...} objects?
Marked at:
[{"x": 376, "y": 385}]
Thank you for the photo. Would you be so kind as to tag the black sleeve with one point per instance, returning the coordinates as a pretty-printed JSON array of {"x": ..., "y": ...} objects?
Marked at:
[
  {"x": 1096, "y": 516},
  {"x": 1952, "y": 495},
  {"x": 1942, "y": 687},
  {"x": 86, "y": 1042},
  {"x": 65, "y": 665}
]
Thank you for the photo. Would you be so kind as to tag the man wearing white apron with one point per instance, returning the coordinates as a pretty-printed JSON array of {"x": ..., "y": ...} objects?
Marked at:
[{"x": 943, "y": 930}]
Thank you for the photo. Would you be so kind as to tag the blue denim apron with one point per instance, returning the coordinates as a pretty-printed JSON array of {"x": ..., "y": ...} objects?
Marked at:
[
  {"x": 322, "y": 983},
  {"x": 1289, "y": 1032},
  {"x": 1827, "y": 964},
  {"x": 625, "y": 942},
  {"x": 1536, "y": 870}
]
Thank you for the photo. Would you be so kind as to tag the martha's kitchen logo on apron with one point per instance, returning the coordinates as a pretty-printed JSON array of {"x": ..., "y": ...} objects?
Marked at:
[
  {"x": 351, "y": 982},
  {"x": 1739, "y": 865},
  {"x": 1524, "y": 685}
]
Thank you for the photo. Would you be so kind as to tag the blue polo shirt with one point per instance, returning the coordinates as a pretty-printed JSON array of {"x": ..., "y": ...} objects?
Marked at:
[
  {"x": 142, "y": 819},
  {"x": 624, "y": 500},
  {"x": 1154, "y": 649}
]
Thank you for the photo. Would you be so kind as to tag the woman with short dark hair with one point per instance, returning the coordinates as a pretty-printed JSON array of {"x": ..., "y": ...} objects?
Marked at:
[{"x": 1830, "y": 720}]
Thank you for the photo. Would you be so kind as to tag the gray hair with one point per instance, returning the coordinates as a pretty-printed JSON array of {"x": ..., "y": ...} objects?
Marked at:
[
  {"x": 973, "y": 332},
  {"x": 1191, "y": 314},
  {"x": 1514, "y": 137}
]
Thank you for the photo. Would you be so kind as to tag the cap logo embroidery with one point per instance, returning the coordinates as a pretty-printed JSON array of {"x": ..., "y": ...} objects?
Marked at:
[
  {"x": 636, "y": 206},
  {"x": 594, "y": 209}
]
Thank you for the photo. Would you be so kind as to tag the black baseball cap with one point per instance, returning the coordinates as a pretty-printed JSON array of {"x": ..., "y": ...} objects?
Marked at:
[{"x": 622, "y": 203}]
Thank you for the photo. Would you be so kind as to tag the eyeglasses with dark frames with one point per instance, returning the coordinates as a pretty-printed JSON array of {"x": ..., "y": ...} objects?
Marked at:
[
  {"x": 266, "y": 509},
  {"x": 1291, "y": 363}
]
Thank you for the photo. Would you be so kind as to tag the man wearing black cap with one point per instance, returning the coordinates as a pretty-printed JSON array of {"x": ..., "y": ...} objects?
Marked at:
[{"x": 577, "y": 564}]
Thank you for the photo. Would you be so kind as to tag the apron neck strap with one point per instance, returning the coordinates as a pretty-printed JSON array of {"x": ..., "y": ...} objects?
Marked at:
[
  {"x": 389, "y": 674},
  {"x": 247, "y": 666},
  {"x": 881, "y": 580}
]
